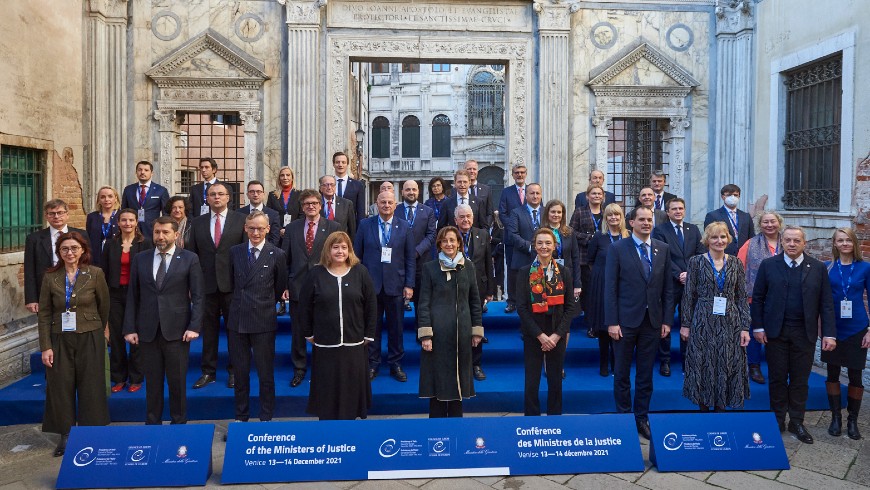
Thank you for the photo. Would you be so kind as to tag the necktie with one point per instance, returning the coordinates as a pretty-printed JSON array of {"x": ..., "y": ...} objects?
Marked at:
[
  {"x": 411, "y": 214},
  {"x": 161, "y": 271},
  {"x": 680, "y": 236},
  {"x": 252, "y": 257},
  {"x": 793, "y": 264},
  {"x": 54, "y": 257},
  {"x": 385, "y": 234},
  {"x": 341, "y": 187},
  {"x": 474, "y": 190},
  {"x": 142, "y": 194},
  {"x": 461, "y": 200},
  {"x": 522, "y": 195},
  {"x": 217, "y": 230},
  {"x": 535, "y": 223},
  {"x": 658, "y": 202},
  {"x": 309, "y": 238},
  {"x": 330, "y": 213},
  {"x": 647, "y": 260}
]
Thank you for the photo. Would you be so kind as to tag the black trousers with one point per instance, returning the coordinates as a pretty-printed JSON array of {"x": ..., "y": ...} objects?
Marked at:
[
  {"x": 122, "y": 367},
  {"x": 214, "y": 306},
  {"x": 440, "y": 410},
  {"x": 645, "y": 340},
  {"x": 298, "y": 346},
  {"x": 241, "y": 347},
  {"x": 512, "y": 286},
  {"x": 167, "y": 359},
  {"x": 533, "y": 358},
  {"x": 789, "y": 363},
  {"x": 390, "y": 318}
]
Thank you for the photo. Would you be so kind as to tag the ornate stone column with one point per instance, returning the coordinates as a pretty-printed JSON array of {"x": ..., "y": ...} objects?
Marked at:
[
  {"x": 251, "y": 120},
  {"x": 602, "y": 128},
  {"x": 734, "y": 87},
  {"x": 106, "y": 95},
  {"x": 304, "y": 114},
  {"x": 166, "y": 151},
  {"x": 554, "y": 112},
  {"x": 677, "y": 170}
]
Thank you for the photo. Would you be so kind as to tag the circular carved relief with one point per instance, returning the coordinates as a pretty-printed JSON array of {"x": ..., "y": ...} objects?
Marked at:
[
  {"x": 603, "y": 35},
  {"x": 166, "y": 25},
  {"x": 680, "y": 37},
  {"x": 249, "y": 27}
]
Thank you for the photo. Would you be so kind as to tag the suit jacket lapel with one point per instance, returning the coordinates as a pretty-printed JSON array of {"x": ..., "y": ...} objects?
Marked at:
[
  {"x": 641, "y": 266},
  {"x": 46, "y": 243},
  {"x": 258, "y": 264},
  {"x": 805, "y": 269},
  {"x": 176, "y": 257}
]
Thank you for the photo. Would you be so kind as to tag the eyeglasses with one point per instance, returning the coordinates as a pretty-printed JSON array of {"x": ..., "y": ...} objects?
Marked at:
[
  {"x": 66, "y": 250},
  {"x": 255, "y": 191},
  {"x": 53, "y": 214},
  {"x": 328, "y": 185},
  {"x": 252, "y": 229},
  {"x": 311, "y": 203}
]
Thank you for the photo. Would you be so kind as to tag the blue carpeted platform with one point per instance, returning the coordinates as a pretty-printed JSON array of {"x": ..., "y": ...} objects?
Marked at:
[{"x": 584, "y": 391}]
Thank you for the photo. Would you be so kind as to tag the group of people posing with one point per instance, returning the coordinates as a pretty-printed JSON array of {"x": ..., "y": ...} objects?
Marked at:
[{"x": 152, "y": 273}]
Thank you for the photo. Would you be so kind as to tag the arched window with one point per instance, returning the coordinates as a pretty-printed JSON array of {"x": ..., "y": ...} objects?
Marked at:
[
  {"x": 381, "y": 137},
  {"x": 441, "y": 136},
  {"x": 410, "y": 137},
  {"x": 486, "y": 102}
]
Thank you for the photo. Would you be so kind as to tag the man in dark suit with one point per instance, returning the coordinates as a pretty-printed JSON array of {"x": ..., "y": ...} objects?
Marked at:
[
  {"x": 511, "y": 198},
  {"x": 519, "y": 229},
  {"x": 647, "y": 199},
  {"x": 684, "y": 241},
  {"x": 303, "y": 242},
  {"x": 164, "y": 314},
  {"x": 256, "y": 202},
  {"x": 199, "y": 192},
  {"x": 482, "y": 193},
  {"x": 657, "y": 182},
  {"x": 476, "y": 247},
  {"x": 337, "y": 209},
  {"x": 386, "y": 247},
  {"x": 39, "y": 250},
  {"x": 638, "y": 312},
  {"x": 739, "y": 222},
  {"x": 212, "y": 236},
  {"x": 596, "y": 177},
  {"x": 259, "y": 273},
  {"x": 791, "y": 304},
  {"x": 422, "y": 221},
  {"x": 147, "y": 197},
  {"x": 348, "y": 188},
  {"x": 461, "y": 195}
]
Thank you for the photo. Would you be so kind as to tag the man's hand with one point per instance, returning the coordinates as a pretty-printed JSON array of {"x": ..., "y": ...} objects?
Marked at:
[
  {"x": 760, "y": 337},
  {"x": 409, "y": 293},
  {"x": 666, "y": 330},
  {"x": 48, "y": 357},
  {"x": 683, "y": 276},
  {"x": 285, "y": 295},
  {"x": 32, "y": 307},
  {"x": 189, "y": 335},
  {"x": 427, "y": 344},
  {"x": 310, "y": 340},
  {"x": 615, "y": 332},
  {"x": 829, "y": 344},
  {"x": 577, "y": 292},
  {"x": 684, "y": 333},
  {"x": 865, "y": 342},
  {"x": 132, "y": 338}
]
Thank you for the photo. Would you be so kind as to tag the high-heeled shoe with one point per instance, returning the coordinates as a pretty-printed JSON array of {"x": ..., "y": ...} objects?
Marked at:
[{"x": 61, "y": 446}]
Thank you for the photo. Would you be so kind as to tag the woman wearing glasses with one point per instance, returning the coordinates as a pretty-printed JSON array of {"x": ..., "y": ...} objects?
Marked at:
[{"x": 73, "y": 317}]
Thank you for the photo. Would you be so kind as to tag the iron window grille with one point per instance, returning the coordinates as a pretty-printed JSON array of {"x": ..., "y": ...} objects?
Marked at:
[
  {"x": 22, "y": 192},
  {"x": 635, "y": 147},
  {"x": 216, "y": 136},
  {"x": 486, "y": 104}
]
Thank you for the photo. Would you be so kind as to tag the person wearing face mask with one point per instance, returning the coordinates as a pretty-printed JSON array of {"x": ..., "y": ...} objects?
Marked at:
[{"x": 739, "y": 222}]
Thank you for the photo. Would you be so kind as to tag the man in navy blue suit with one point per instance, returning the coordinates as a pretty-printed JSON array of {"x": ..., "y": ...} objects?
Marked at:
[
  {"x": 348, "y": 188},
  {"x": 684, "y": 242},
  {"x": 259, "y": 275},
  {"x": 482, "y": 193},
  {"x": 422, "y": 221},
  {"x": 512, "y": 197},
  {"x": 596, "y": 177},
  {"x": 256, "y": 202},
  {"x": 147, "y": 197},
  {"x": 519, "y": 229},
  {"x": 386, "y": 247},
  {"x": 199, "y": 192},
  {"x": 164, "y": 314},
  {"x": 638, "y": 312},
  {"x": 739, "y": 222}
]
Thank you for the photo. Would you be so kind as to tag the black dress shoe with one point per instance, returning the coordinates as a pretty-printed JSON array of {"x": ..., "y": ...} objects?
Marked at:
[
  {"x": 591, "y": 333},
  {"x": 755, "y": 374},
  {"x": 485, "y": 309},
  {"x": 563, "y": 374},
  {"x": 781, "y": 425},
  {"x": 231, "y": 381},
  {"x": 801, "y": 432},
  {"x": 510, "y": 308},
  {"x": 61, "y": 446},
  {"x": 643, "y": 429},
  {"x": 297, "y": 379},
  {"x": 398, "y": 374},
  {"x": 282, "y": 308},
  {"x": 203, "y": 380},
  {"x": 407, "y": 306},
  {"x": 603, "y": 371},
  {"x": 665, "y": 369},
  {"x": 372, "y": 374},
  {"x": 479, "y": 374}
]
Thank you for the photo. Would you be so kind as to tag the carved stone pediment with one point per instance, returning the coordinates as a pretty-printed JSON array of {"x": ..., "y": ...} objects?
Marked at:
[
  {"x": 488, "y": 147},
  {"x": 642, "y": 68},
  {"x": 208, "y": 60}
]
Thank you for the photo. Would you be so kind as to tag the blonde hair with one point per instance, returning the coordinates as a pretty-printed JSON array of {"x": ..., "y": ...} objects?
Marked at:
[
  {"x": 857, "y": 256},
  {"x": 332, "y": 239},
  {"x": 715, "y": 227},
  {"x": 278, "y": 178},
  {"x": 610, "y": 210},
  {"x": 117, "y": 205}
]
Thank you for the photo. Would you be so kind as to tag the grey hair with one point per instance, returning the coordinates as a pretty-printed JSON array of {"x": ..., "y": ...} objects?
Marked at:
[{"x": 462, "y": 207}]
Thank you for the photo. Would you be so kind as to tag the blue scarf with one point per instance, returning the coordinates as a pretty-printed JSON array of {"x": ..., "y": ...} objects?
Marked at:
[{"x": 448, "y": 263}]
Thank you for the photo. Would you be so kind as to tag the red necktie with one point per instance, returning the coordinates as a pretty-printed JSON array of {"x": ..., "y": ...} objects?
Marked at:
[
  {"x": 330, "y": 215},
  {"x": 217, "y": 230},
  {"x": 142, "y": 195},
  {"x": 309, "y": 237}
]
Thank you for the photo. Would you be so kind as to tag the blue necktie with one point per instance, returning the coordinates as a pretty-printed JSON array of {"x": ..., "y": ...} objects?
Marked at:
[
  {"x": 385, "y": 238},
  {"x": 648, "y": 262},
  {"x": 252, "y": 257},
  {"x": 680, "y": 237}
]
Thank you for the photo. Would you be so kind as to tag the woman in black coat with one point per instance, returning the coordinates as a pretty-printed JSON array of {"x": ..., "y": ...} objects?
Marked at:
[
  {"x": 117, "y": 256},
  {"x": 338, "y": 315},
  {"x": 102, "y": 223},
  {"x": 567, "y": 251},
  {"x": 586, "y": 223},
  {"x": 546, "y": 307},
  {"x": 450, "y": 324}
]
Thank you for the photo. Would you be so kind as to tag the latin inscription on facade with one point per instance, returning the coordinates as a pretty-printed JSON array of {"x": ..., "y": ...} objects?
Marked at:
[{"x": 507, "y": 16}]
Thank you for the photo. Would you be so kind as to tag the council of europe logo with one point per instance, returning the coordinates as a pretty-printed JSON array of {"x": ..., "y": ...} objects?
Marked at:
[
  {"x": 671, "y": 442},
  {"x": 84, "y": 457},
  {"x": 388, "y": 448}
]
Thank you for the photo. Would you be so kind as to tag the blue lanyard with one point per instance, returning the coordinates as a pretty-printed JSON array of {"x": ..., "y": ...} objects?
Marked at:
[
  {"x": 205, "y": 191},
  {"x": 611, "y": 237},
  {"x": 846, "y": 285},
  {"x": 644, "y": 255},
  {"x": 720, "y": 275},
  {"x": 108, "y": 226},
  {"x": 69, "y": 287},
  {"x": 732, "y": 220},
  {"x": 407, "y": 212},
  {"x": 597, "y": 222},
  {"x": 385, "y": 231},
  {"x": 286, "y": 201},
  {"x": 465, "y": 237}
]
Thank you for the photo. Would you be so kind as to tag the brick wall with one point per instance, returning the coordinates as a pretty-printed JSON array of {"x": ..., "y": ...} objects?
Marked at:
[{"x": 66, "y": 186}]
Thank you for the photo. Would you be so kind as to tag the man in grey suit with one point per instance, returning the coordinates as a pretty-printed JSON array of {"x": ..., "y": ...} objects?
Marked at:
[
  {"x": 335, "y": 208},
  {"x": 164, "y": 314},
  {"x": 303, "y": 242},
  {"x": 259, "y": 273}
]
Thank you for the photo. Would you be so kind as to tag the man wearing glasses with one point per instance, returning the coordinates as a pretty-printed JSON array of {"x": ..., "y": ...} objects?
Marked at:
[
  {"x": 39, "y": 250},
  {"x": 336, "y": 208},
  {"x": 211, "y": 237},
  {"x": 303, "y": 242},
  {"x": 256, "y": 202}
]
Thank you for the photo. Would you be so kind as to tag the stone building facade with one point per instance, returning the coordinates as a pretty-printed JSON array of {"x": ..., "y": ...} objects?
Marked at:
[{"x": 692, "y": 87}]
